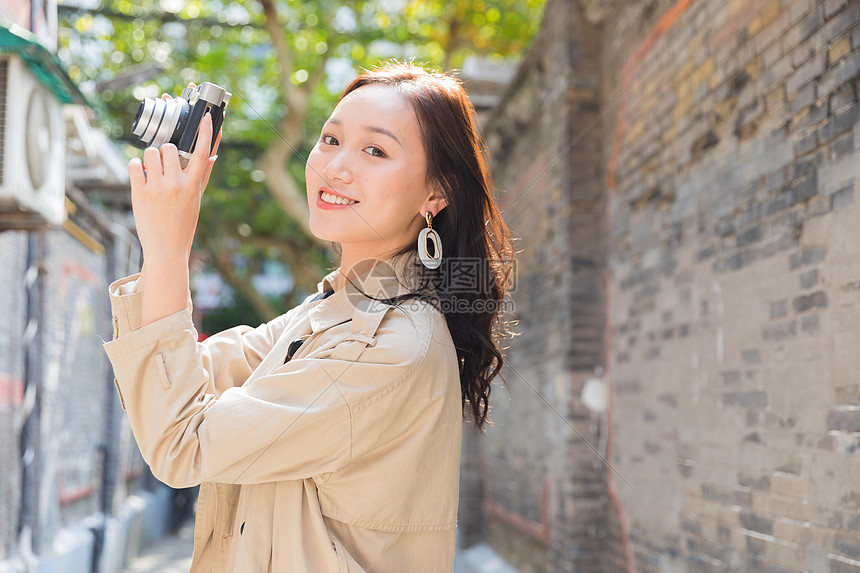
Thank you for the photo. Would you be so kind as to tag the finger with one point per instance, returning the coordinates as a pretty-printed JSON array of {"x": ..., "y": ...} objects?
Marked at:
[
  {"x": 152, "y": 163},
  {"x": 217, "y": 144},
  {"x": 135, "y": 173},
  {"x": 170, "y": 160},
  {"x": 207, "y": 173},
  {"x": 166, "y": 96},
  {"x": 201, "y": 150}
]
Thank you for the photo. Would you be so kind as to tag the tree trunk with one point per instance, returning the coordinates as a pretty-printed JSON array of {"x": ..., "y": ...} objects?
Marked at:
[
  {"x": 279, "y": 182},
  {"x": 245, "y": 288}
]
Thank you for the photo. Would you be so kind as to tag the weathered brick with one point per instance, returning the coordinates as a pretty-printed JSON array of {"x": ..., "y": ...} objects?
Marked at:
[
  {"x": 809, "y": 324},
  {"x": 839, "y": 49},
  {"x": 753, "y": 399},
  {"x": 748, "y": 236},
  {"x": 806, "y": 188},
  {"x": 808, "y": 256},
  {"x": 779, "y": 202},
  {"x": 836, "y": 566},
  {"x": 806, "y": 73},
  {"x": 831, "y": 7},
  {"x": 756, "y": 523},
  {"x": 849, "y": 547},
  {"x": 778, "y": 309},
  {"x": 731, "y": 377},
  {"x": 848, "y": 395},
  {"x": 809, "y": 279},
  {"x": 802, "y": 98},
  {"x": 844, "y": 420},
  {"x": 761, "y": 482},
  {"x": 780, "y": 330},
  {"x": 805, "y": 168},
  {"x": 776, "y": 180},
  {"x": 726, "y": 225},
  {"x": 840, "y": 24},
  {"x": 842, "y": 146},
  {"x": 842, "y": 99},
  {"x": 842, "y": 197},
  {"x": 751, "y": 356},
  {"x": 801, "y": 9},
  {"x": 803, "y": 303},
  {"x": 847, "y": 69}
]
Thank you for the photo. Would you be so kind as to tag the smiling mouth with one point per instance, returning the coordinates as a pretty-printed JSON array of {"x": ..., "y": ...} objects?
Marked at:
[{"x": 334, "y": 199}]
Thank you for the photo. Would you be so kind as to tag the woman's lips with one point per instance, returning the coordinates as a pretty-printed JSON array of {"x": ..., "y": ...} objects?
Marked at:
[{"x": 330, "y": 206}]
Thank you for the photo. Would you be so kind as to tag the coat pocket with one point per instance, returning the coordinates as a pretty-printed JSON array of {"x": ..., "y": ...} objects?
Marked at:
[
  {"x": 345, "y": 562},
  {"x": 162, "y": 371}
]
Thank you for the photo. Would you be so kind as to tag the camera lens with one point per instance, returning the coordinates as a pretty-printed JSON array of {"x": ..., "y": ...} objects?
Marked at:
[
  {"x": 159, "y": 121},
  {"x": 144, "y": 114}
]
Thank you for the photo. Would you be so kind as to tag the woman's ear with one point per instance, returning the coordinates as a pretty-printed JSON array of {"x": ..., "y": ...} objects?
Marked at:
[{"x": 436, "y": 202}]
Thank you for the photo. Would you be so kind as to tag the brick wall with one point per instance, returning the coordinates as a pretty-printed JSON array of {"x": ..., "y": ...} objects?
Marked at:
[
  {"x": 734, "y": 298},
  {"x": 715, "y": 199}
]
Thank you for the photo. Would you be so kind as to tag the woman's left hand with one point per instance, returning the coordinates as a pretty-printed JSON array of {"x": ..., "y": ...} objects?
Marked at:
[{"x": 166, "y": 198}]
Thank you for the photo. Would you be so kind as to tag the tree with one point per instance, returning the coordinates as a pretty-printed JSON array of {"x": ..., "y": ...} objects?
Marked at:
[{"x": 285, "y": 63}]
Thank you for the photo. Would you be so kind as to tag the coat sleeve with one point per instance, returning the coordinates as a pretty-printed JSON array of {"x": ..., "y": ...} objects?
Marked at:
[
  {"x": 292, "y": 423},
  {"x": 229, "y": 357}
]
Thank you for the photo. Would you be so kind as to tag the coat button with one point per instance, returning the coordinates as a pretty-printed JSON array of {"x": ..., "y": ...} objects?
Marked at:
[{"x": 294, "y": 346}]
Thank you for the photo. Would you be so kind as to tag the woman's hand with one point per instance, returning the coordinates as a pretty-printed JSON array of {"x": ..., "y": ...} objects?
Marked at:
[
  {"x": 166, "y": 203},
  {"x": 166, "y": 198}
]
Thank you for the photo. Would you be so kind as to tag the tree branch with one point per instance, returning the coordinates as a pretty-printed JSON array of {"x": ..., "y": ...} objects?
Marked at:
[
  {"x": 450, "y": 43},
  {"x": 286, "y": 191},
  {"x": 244, "y": 288},
  {"x": 279, "y": 42},
  {"x": 163, "y": 17},
  {"x": 304, "y": 275}
]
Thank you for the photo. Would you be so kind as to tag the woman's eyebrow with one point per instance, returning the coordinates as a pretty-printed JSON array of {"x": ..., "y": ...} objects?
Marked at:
[{"x": 373, "y": 128}]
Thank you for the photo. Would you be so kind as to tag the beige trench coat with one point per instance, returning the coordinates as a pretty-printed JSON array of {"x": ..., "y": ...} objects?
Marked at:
[{"x": 343, "y": 459}]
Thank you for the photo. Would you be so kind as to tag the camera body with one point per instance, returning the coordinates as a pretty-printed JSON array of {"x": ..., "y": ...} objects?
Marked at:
[{"x": 177, "y": 120}]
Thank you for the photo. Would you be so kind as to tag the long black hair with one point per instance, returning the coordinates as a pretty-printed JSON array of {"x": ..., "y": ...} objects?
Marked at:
[{"x": 477, "y": 246}]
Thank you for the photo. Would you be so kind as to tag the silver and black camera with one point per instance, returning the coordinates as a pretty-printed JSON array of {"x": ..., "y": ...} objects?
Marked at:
[{"x": 177, "y": 120}]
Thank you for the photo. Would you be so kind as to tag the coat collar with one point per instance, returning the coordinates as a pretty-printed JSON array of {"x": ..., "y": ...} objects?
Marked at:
[{"x": 380, "y": 278}]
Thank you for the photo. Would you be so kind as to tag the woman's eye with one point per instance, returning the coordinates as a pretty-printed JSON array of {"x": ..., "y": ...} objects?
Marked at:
[
  {"x": 375, "y": 151},
  {"x": 328, "y": 140}
]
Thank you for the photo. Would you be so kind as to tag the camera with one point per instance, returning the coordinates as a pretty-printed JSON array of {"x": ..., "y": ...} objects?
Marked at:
[{"x": 177, "y": 121}]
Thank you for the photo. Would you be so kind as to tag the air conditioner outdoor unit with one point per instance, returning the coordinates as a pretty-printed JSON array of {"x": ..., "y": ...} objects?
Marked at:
[{"x": 32, "y": 150}]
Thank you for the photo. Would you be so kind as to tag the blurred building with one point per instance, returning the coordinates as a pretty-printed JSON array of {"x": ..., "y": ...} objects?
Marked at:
[
  {"x": 684, "y": 396},
  {"x": 74, "y": 491},
  {"x": 486, "y": 81}
]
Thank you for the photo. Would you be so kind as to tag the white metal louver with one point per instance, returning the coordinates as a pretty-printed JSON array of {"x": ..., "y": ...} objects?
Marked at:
[{"x": 33, "y": 150}]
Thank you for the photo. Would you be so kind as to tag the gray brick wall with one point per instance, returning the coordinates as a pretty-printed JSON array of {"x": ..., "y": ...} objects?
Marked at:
[
  {"x": 734, "y": 264},
  {"x": 709, "y": 217}
]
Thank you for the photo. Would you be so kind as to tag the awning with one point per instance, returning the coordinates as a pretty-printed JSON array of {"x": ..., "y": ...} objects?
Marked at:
[{"x": 46, "y": 66}]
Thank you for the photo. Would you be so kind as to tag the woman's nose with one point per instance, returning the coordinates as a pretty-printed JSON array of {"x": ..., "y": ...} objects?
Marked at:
[{"x": 337, "y": 169}]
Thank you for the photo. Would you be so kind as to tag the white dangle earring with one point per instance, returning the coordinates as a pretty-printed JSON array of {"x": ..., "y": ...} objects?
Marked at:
[{"x": 434, "y": 260}]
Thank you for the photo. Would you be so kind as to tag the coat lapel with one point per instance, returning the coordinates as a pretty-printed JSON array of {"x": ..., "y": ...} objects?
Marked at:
[{"x": 375, "y": 277}]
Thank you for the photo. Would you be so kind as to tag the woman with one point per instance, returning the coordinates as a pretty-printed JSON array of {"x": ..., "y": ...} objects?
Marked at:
[{"x": 329, "y": 438}]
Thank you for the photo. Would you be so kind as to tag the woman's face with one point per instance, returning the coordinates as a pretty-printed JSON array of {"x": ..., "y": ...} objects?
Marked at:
[{"x": 370, "y": 151}]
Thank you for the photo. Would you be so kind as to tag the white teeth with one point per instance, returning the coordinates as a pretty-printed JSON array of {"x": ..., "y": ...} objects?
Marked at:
[{"x": 329, "y": 198}]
